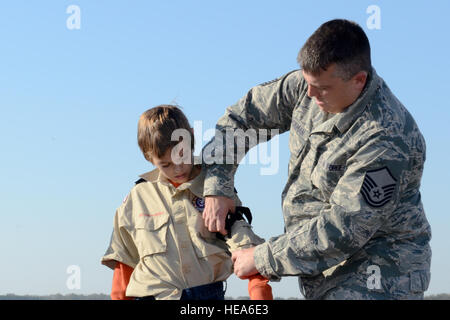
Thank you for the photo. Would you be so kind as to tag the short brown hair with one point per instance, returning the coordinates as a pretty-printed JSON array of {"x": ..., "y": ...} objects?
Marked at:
[
  {"x": 337, "y": 41},
  {"x": 155, "y": 128}
]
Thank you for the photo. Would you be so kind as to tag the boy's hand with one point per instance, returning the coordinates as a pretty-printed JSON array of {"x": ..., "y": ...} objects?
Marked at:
[
  {"x": 244, "y": 263},
  {"x": 215, "y": 212}
]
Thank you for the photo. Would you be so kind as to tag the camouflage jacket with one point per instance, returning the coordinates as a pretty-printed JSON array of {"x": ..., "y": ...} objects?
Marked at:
[{"x": 352, "y": 200}]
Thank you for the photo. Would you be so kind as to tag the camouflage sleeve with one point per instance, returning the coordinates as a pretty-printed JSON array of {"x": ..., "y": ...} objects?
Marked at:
[
  {"x": 268, "y": 106},
  {"x": 365, "y": 196}
]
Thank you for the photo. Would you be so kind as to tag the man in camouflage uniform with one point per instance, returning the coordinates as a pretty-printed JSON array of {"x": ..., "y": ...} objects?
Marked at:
[{"x": 354, "y": 221}]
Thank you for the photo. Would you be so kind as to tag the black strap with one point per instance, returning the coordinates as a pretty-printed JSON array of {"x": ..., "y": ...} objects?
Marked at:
[
  {"x": 139, "y": 181},
  {"x": 233, "y": 217}
]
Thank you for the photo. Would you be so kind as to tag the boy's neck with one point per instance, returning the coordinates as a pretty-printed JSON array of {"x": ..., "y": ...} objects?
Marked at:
[{"x": 175, "y": 184}]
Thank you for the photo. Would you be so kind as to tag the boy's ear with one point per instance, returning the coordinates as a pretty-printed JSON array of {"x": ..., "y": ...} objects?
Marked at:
[{"x": 149, "y": 158}]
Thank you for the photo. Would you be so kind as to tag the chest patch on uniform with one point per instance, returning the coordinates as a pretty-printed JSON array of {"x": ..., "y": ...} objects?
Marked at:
[
  {"x": 378, "y": 187},
  {"x": 199, "y": 203}
]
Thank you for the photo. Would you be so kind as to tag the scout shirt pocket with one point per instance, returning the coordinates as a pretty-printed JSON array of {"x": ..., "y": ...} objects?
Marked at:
[{"x": 151, "y": 232}]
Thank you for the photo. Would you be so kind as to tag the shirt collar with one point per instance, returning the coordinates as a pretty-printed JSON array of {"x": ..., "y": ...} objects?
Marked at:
[
  {"x": 327, "y": 123},
  {"x": 152, "y": 176},
  {"x": 346, "y": 118},
  {"x": 195, "y": 185}
]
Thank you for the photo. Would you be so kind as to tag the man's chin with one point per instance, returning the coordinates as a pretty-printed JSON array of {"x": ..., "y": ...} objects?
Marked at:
[
  {"x": 327, "y": 108},
  {"x": 322, "y": 107}
]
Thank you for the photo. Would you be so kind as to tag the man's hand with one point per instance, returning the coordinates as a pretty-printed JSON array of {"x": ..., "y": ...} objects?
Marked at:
[
  {"x": 215, "y": 212},
  {"x": 244, "y": 263}
]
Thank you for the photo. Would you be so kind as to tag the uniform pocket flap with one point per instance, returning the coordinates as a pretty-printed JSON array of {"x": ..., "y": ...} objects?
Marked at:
[{"x": 151, "y": 232}]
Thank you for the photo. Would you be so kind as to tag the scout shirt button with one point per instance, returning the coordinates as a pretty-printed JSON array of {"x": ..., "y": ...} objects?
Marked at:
[
  {"x": 178, "y": 210},
  {"x": 186, "y": 269},
  {"x": 184, "y": 245},
  {"x": 180, "y": 219}
]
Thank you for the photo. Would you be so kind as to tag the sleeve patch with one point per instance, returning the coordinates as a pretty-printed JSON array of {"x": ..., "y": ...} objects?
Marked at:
[{"x": 378, "y": 187}]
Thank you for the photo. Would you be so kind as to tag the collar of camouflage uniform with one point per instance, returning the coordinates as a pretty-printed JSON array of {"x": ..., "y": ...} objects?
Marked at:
[{"x": 347, "y": 117}]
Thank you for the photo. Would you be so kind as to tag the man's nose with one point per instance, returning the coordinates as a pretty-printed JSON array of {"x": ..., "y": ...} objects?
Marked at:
[{"x": 312, "y": 92}]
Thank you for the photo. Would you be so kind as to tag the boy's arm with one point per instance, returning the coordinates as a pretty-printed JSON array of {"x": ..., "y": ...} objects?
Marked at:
[
  {"x": 121, "y": 256},
  {"x": 259, "y": 288},
  {"x": 242, "y": 237},
  {"x": 122, "y": 247},
  {"x": 121, "y": 278}
]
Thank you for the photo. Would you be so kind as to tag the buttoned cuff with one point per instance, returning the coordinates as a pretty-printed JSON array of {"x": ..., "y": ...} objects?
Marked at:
[{"x": 264, "y": 262}]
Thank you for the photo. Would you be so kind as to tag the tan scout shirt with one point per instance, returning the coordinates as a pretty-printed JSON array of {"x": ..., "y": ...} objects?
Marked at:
[{"x": 159, "y": 231}]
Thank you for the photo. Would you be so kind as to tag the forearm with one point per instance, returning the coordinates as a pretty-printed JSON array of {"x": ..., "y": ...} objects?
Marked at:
[
  {"x": 121, "y": 278},
  {"x": 265, "y": 111},
  {"x": 322, "y": 243}
]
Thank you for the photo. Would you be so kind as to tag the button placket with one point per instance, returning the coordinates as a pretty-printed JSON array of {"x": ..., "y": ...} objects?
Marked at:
[{"x": 182, "y": 237}]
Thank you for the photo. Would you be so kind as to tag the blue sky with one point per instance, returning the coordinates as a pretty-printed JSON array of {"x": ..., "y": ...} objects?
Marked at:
[{"x": 70, "y": 101}]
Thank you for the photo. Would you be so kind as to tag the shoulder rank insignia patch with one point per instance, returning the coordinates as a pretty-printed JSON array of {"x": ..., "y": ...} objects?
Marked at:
[
  {"x": 378, "y": 187},
  {"x": 199, "y": 203}
]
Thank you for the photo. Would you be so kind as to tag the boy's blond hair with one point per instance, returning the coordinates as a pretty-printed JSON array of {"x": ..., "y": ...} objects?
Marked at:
[{"x": 155, "y": 128}]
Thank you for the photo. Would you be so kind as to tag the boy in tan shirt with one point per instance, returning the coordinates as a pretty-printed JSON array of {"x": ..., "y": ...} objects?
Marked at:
[{"x": 160, "y": 248}]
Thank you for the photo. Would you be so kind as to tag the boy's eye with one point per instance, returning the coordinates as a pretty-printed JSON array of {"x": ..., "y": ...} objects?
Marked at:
[{"x": 165, "y": 165}]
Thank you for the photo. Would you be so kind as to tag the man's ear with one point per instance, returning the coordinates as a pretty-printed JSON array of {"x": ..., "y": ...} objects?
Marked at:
[{"x": 359, "y": 80}]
